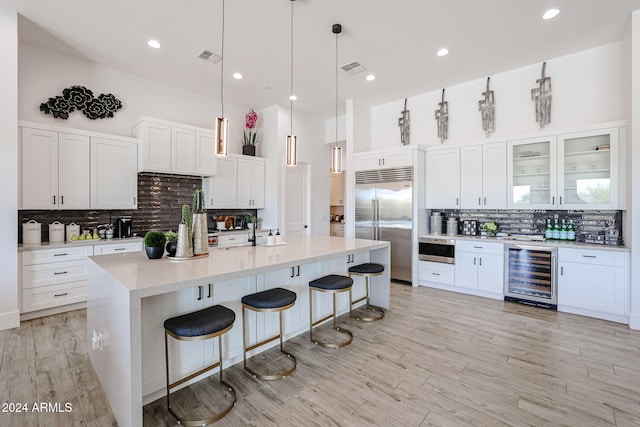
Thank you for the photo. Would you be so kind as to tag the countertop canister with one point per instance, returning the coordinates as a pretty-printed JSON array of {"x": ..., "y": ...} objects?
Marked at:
[
  {"x": 72, "y": 229},
  {"x": 31, "y": 232},
  {"x": 56, "y": 232}
]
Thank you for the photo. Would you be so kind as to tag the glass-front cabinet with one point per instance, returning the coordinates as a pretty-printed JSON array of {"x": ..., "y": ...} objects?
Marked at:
[
  {"x": 531, "y": 172},
  {"x": 588, "y": 169}
]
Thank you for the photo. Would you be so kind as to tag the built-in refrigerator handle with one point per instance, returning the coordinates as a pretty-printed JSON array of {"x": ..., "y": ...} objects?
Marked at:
[{"x": 376, "y": 224}]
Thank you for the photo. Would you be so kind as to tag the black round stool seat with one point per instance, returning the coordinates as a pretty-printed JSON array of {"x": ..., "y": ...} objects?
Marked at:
[
  {"x": 369, "y": 268},
  {"x": 271, "y": 298},
  {"x": 202, "y": 322},
  {"x": 332, "y": 282}
]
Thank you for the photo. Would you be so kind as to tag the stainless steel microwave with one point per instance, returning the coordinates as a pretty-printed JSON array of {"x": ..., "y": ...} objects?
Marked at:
[{"x": 437, "y": 250}]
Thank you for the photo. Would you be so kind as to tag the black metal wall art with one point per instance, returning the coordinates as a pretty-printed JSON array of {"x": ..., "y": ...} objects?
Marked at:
[{"x": 80, "y": 98}]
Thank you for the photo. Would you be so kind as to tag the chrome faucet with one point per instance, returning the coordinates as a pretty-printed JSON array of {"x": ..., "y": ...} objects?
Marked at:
[{"x": 255, "y": 224}]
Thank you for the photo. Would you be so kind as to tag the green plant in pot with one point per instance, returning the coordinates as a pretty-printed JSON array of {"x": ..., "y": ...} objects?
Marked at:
[
  {"x": 154, "y": 244},
  {"x": 172, "y": 242}
]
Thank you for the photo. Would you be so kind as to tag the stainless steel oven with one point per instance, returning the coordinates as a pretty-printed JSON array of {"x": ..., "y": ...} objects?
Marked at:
[
  {"x": 437, "y": 250},
  {"x": 531, "y": 275}
]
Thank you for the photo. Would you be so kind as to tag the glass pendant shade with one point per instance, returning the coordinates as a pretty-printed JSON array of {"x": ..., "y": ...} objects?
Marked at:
[
  {"x": 222, "y": 136},
  {"x": 336, "y": 159},
  {"x": 292, "y": 148}
]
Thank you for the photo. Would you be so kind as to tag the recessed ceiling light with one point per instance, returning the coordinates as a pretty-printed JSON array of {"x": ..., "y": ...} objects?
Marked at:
[
  {"x": 293, "y": 97},
  {"x": 237, "y": 76},
  {"x": 154, "y": 44},
  {"x": 443, "y": 52},
  {"x": 371, "y": 77},
  {"x": 551, "y": 13}
]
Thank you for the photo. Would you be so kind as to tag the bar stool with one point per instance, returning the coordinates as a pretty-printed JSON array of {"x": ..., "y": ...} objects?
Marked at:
[
  {"x": 200, "y": 325},
  {"x": 332, "y": 284},
  {"x": 367, "y": 270},
  {"x": 276, "y": 299}
]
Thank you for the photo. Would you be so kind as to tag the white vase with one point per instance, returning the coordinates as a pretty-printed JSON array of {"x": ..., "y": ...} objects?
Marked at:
[
  {"x": 185, "y": 244},
  {"x": 200, "y": 239}
]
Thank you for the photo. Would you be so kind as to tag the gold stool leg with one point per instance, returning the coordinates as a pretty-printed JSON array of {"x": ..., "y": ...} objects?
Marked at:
[
  {"x": 335, "y": 325},
  {"x": 377, "y": 312}
]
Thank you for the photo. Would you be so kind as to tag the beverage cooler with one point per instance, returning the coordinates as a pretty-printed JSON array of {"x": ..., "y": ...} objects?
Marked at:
[{"x": 531, "y": 275}]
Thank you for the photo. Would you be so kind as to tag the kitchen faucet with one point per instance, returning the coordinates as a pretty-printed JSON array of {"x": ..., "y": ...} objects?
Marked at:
[{"x": 254, "y": 221}]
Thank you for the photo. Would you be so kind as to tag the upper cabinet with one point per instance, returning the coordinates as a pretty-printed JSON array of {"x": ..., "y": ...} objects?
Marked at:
[
  {"x": 54, "y": 170},
  {"x": 336, "y": 189},
  {"x": 114, "y": 175},
  {"x": 443, "y": 178},
  {"x": 70, "y": 169},
  {"x": 582, "y": 170},
  {"x": 169, "y": 147},
  {"x": 371, "y": 160},
  {"x": 239, "y": 183},
  {"x": 483, "y": 177}
]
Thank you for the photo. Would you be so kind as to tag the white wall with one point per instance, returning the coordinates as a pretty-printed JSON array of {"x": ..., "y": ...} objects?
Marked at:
[
  {"x": 9, "y": 314},
  {"x": 45, "y": 73},
  {"x": 587, "y": 88},
  {"x": 309, "y": 129},
  {"x": 634, "y": 214}
]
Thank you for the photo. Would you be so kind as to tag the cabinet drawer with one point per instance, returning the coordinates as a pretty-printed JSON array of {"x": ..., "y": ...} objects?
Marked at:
[
  {"x": 592, "y": 256},
  {"x": 233, "y": 239},
  {"x": 38, "y": 275},
  {"x": 117, "y": 248},
  {"x": 42, "y": 256},
  {"x": 479, "y": 247},
  {"x": 53, "y": 296},
  {"x": 436, "y": 272}
]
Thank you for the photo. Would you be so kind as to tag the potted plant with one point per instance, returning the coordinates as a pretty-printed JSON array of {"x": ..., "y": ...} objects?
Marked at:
[
  {"x": 490, "y": 228},
  {"x": 249, "y": 221},
  {"x": 154, "y": 244},
  {"x": 250, "y": 137},
  {"x": 172, "y": 242}
]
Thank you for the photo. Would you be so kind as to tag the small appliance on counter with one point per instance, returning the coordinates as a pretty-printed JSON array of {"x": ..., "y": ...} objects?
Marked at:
[
  {"x": 470, "y": 227},
  {"x": 123, "y": 227}
]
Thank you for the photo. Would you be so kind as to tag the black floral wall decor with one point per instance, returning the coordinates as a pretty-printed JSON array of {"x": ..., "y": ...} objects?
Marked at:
[{"x": 80, "y": 98}]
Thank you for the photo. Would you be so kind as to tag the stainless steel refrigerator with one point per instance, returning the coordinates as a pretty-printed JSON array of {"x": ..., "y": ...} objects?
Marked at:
[{"x": 384, "y": 207}]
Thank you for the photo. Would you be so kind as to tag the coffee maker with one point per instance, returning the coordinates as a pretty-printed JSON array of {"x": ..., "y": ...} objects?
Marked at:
[{"x": 122, "y": 227}]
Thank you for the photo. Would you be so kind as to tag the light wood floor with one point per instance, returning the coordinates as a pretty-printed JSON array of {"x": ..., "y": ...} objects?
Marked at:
[{"x": 438, "y": 358}]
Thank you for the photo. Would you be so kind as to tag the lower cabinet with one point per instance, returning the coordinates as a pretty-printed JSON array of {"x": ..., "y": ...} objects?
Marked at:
[
  {"x": 436, "y": 272},
  {"x": 336, "y": 230},
  {"x": 593, "y": 283},
  {"x": 480, "y": 266},
  {"x": 117, "y": 248}
]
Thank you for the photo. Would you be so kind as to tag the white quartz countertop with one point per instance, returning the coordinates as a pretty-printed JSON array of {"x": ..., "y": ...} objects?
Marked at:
[
  {"x": 553, "y": 243},
  {"x": 145, "y": 277},
  {"x": 48, "y": 245}
]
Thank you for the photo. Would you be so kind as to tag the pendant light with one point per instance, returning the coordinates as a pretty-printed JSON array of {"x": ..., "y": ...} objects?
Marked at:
[
  {"x": 222, "y": 124},
  {"x": 336, "y": 152},
  {"x": 292, "y": 140}
]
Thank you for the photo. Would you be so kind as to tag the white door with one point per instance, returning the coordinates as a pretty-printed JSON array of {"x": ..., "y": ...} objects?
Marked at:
[
  {"x": 257, "y": 184},
  {"x": 114, "y": 180},
  {"x": 73, "y": 171},
  {"x": 206, "y": 159},
  {"x": 494, "y": 176},
  {"x": 471, "y": 177},
  {"x": 491, "y": 273},
  {"x": 244, "y": 183},
  {"x": 39, "y": 169},
  {"x": 443, "y": 179},
  {"x": 297, "y": 199},
  {"x": 183, "y": 151}
]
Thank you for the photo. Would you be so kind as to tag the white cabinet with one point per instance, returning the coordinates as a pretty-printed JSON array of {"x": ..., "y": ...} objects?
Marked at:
[
  {"x": 382, "y": 159},
  {"x": 114, "y": 178},
  {"x": 239, "y": 183},
  {"x": 336, "y": 189},
  {"x": 436, "y": 272},
  {"x": 588, "y": 169},
  {"x": 251, "y": 186},
  {"x": 221, "y": 191},
  {"x": 443, "y": 179},
  {"x": 169, "y": 147},
  {"x": 480, "y": 266},
  {"x": 117, "y": 248},
  {"x": 483, "y": 176},
  {"x": 336, "y": 230},
  {"x": 471, "y": 177},
  {"x": 54, "y": 170},
  {"x": 593, "y": 283},
  {"x": 532, "y": 173},
  {"x": 53, "y": 277}
]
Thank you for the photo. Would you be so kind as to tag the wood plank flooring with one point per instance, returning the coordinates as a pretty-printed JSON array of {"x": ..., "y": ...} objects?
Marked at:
[{"x": 438, "y": 358}]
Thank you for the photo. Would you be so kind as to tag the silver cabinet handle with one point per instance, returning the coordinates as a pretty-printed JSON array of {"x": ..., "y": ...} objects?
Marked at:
[
  {"x": 589, "y": 256},
  {"x": 553, "y": 200},
  {"x": 485, "y": 200},
  {"x": 480, "y": 261},
  {"x": 61, "y": 295},
  {"x": 478, "y": 247},
  {"x": 560, "y": 199},
  {"x": 562, "y": 270},
  {"x": 134, "y": 200},
  {"x": 211, "y": 204},
  {"x": 436, "y": 274},
  {"x": 474, "y": 260},
  {"x": 479, "y": 204},
  {"x": 457, "y": 198}
]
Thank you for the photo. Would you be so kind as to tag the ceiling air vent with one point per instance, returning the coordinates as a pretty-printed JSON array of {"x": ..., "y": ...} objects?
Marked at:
[
  {"x": 209, "y": 56},
  {"x": 354, "y": 67}
]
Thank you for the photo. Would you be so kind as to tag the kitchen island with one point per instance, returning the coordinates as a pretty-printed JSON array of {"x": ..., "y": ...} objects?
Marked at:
[{"x": 130, "y": 296}]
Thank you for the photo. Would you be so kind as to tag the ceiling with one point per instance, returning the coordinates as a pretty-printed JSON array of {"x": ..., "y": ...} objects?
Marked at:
[{"x": 396, "y": 40}]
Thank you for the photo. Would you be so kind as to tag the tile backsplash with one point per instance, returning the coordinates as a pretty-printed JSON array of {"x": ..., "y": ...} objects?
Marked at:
[
  {"x": 533, "y": 222},
  {"x": 160, "y": 200}
]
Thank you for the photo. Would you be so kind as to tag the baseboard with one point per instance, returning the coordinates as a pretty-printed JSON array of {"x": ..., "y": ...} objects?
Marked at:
[
  {"x": 634, "y": 321},
  {"x": 53, "y": 310},
  {"x": 9, "y": 320}
]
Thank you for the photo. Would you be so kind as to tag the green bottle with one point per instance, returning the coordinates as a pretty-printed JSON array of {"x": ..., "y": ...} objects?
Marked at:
[
  {"x": 556, "y": 231},
  {"x": 571, "y": 231},
  {"x": 548, "y": 231},
  {"x": 563, "y": 230}
]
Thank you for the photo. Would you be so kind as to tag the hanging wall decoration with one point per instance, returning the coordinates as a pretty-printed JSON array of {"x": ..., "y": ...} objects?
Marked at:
[
  {"x": 404, "y": 123},
  {"x": 442, "y": 118},
  {"x": 541, "y": 95},
  {"x": 487, "y": 108},
  {"x": 80, "y": 98}
]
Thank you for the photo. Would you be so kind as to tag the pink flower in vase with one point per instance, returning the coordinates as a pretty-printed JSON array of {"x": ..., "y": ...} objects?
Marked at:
[{"x": 250, "y": 134}]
